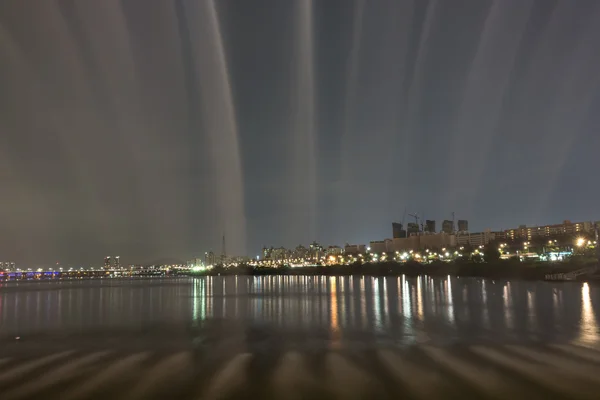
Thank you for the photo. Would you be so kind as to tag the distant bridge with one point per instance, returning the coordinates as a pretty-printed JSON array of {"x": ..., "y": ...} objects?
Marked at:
[{"x": 80, "y": 274}]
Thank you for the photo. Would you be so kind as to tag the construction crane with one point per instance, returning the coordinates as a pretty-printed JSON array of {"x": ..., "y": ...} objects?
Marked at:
[
  {"x": 452, "y": 221},
  {"x": 416, "y": 217}
]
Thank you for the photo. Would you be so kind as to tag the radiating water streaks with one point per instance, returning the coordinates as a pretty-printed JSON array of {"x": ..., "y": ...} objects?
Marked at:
[
  {"x": 371, "y": 109},
  {"x": 115, "y": 372},
  {"x": 219, "y": 119},
  {"x": 576, "y": 351},
  {"x": 303, "y": 194},
  {"x": 22, "y": 100},
  {"x": 54, "y": 377},
  {"x": 579, "y": 352},
  {"x": 161, "y": 373},
  {"x": 414, "y": 87},
  {"x": 37, "y": 99},
  {"x": 230, "y": 378},
  {"x": 111, "y": 62},
  {"x": 421, "y": 382},
  {"x": 574, "y": 370},
  {"x": 350, "y": 95},
  {"x": 292, "y": 377},
  {"x": 16, "y": 65},
  {"x": 492, "y": 371},
  {"x": 483, "y": 379},
  {"x": 345, "y": 379},
  {"x": 541, "y": 103},
  {"x": 112, "y": 102},
  {"x": 535, "y": 372},
  {"x": 160, "y": 67},
  {"x": 573, "y": 101},
  {"x": 23, "y": 369},
  {"x": 487, "y": 83}
]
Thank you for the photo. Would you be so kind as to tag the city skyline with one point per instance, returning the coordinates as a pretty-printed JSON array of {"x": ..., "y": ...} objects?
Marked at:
[
  {"x": 522, "y": 233},
  {"x": 149, "y": 129}
]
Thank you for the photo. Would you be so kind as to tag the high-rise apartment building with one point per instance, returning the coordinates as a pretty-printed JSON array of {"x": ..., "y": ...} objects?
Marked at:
[
  {"x": 447, "y": 226},
  {"x": 566, "y": 228},
  {"x": 355, "y": 249},
  {"x": 397, "y": 231},
  {"x": 413, "y": 229},
  {"x": 430, "y": 226},
  {"x": 7, "y": 266},
  {"x": 210, "y": 258}
]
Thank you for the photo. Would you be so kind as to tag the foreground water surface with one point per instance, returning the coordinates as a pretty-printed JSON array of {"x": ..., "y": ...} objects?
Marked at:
[{"x": 337, "y": 309}]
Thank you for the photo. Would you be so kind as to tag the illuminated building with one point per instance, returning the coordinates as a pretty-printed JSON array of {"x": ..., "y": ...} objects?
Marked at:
[
  {"x": 117, "y": 262},
  {"x": 107, "y": 262},
  {"x": 334, "y": 251},
  {"x": 500, "y": 235},
  {"x": 280, "y": 254},
  {"x": 300, "y": 252},
  {"x": 381, "y": 246},
  {"x": 315, "y": 251},
  {"x": 475, "y": 239},
  {"x": 267, "y": 252},
  {"x": 566, "y": 228},
  {"x": 355, "y": 249},
  {"x": 210, "y": 258},
  {"x": 416, "y": 242},
  {"x": 7, "y": 266}
]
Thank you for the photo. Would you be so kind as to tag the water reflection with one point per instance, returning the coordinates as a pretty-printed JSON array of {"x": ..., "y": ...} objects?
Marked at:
[
  {"x": 334, "y": 310},
  {"x": 402, "y": 308},
  {"x": 589, "y": 324}
]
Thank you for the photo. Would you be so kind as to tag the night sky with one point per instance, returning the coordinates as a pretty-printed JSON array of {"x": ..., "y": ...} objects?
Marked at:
[{"x": 148, "y": 128}]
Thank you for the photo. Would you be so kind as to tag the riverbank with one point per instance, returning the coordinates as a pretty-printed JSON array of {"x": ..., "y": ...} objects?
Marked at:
[{"x": 500, "y": 269}]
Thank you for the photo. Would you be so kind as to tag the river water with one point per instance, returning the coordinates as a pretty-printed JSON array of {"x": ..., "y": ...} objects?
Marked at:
[{"x": 366, "y": 309}]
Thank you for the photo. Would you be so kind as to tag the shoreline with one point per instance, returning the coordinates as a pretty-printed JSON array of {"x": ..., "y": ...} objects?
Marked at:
[{"x": 496, "y": 270}]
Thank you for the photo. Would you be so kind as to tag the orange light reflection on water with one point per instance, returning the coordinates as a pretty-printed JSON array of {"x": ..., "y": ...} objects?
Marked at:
[
  {"x": 334, "y": 314},
  {"x": 588, "y": 325}
]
